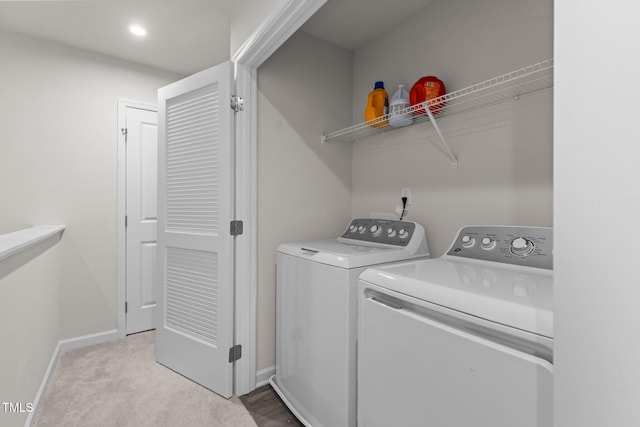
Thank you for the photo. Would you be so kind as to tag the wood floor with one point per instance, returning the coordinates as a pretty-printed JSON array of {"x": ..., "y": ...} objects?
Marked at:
[{"x": 267, "y": 409}]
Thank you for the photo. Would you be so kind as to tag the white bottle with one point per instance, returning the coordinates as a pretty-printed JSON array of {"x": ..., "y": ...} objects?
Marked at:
[{"x": 399, "y": 102}]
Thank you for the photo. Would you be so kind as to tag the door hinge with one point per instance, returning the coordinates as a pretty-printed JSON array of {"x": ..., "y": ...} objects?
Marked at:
[
  {"x": 237, "y": 103},
  {"x": 236, "y": 228},
  {"x": 235, "y": 353},
  {"x": 126, "y": 221},
  {"x": 125, "y": 132},
  {"x": 126, "y": 307}
]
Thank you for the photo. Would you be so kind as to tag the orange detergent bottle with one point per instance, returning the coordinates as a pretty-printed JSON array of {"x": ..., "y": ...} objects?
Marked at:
[
  {"x": 426, "y": 89},
  {"x": 377, "y": 106}
]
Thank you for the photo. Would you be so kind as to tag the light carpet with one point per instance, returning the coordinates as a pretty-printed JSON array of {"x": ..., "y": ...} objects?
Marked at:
[{"x": 120, "y": 384}]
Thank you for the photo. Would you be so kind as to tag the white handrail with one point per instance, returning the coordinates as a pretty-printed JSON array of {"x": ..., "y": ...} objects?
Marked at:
[{"x": 18, "y": 241}]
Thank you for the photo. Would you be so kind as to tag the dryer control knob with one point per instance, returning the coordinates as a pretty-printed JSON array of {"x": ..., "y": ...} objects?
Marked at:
[
  {"x": 487, "y": 243},
  {"x": 353, "y": 228},
  {"x": 361, "y": 229},
  {"x": 391, "y": 232},
  {"x": 375, "y": 230},
  {"x": 521, "y": 247},
  {"x": 468, "y": 241},
  {"x": 403, "y": 233}
]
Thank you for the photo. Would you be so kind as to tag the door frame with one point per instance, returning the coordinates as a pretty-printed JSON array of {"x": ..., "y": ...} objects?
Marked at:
[
  {"x": 277, "y": 27},
  {"x": 123, "y": 104}
]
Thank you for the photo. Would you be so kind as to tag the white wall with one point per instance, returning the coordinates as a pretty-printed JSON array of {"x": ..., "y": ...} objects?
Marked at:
[
  {"x": 59, "y": 166},
  {"x": 304, "y": 188},
  {"x": 30, "y": 307},
  {"x": 505, "y": 153},
  {"x": 597, "y": 209},
  {"x": 246, "y": 17},
  {"x": 60, "y": 131}
]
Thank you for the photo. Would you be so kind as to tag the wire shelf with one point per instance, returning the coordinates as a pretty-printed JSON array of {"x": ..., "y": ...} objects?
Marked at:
[{"x": 508, "y": 86}]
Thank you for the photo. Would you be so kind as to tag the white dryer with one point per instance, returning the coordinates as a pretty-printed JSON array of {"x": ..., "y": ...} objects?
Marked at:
[
  {"x": 461, "y": 340},
  {"x": 316, "y": 315}
]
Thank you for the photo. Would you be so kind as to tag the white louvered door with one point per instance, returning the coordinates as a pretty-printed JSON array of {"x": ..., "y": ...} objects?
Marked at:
[{"x": 195, "y": 249}]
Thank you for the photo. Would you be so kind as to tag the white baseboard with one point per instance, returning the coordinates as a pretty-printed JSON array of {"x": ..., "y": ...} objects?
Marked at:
[
  {"x": 263, "y": 375},
  {"x": 43, "y": 385},
  {"x": 86, "y": 340},
  {"x": 66, "y": 345}
]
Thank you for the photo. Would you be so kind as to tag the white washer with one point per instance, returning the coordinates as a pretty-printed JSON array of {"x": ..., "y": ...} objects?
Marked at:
[
  {"x": 461, "y": 340},
  {"x": 316, "y": 315}
]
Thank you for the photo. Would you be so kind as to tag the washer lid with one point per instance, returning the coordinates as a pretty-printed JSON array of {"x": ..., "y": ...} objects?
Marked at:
[
  {"x": 518, "y": 297},
  {"x": 345, "y": 254}
]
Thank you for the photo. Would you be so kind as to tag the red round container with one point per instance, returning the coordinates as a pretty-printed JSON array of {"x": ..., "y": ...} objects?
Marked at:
[{"x": 425, "y": 89}]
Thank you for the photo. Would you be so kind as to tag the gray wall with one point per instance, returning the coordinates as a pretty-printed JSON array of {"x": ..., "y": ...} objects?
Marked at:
[
  {"x": 505, "y": 152},
  {"x": 304, "y": 188},
  {"x": 307, "y": 190}
]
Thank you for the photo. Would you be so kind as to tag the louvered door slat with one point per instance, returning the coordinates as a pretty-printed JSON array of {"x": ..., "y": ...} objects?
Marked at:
[{"x": 192, "y": 160}]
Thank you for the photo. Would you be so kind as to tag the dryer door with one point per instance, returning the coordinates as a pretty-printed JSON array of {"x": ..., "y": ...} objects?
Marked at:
[{"x": 413, "y": 370}]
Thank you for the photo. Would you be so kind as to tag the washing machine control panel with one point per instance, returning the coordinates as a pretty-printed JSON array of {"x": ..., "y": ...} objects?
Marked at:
[
  {"x": 526, "y": 246},
  {"x": 386, "y": 231}
]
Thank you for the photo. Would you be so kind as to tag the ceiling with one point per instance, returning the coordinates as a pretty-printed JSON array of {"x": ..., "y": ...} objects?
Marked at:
[
  {"x": 353, "y": 23},
  {"x": 185, "y": 36}
]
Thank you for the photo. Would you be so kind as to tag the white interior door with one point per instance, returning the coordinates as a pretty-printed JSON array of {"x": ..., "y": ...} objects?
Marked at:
[
  {"x": 142, "y": 216},
  {"x": 195, "y": 249}
]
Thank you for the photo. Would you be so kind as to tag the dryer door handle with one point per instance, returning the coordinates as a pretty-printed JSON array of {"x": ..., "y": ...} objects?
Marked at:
[
  {"x": 306, "y": 251},
  {"x": 385, "y": 303}
]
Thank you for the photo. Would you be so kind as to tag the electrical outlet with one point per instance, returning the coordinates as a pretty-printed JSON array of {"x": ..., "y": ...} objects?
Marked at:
[{"x": 406, "y": 192}]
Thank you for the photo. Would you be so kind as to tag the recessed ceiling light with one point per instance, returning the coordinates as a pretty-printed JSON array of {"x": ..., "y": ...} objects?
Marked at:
[{"x": 137, "y": 29}]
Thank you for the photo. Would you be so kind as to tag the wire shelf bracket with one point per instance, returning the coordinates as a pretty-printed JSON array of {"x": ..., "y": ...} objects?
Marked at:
[{"x": 454, "y": 160}]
